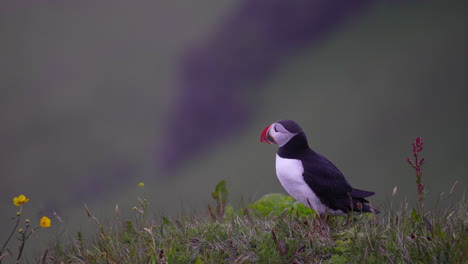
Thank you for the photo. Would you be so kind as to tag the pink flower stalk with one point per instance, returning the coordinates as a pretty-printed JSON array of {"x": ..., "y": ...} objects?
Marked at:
[{"x": 416, "y": 164}]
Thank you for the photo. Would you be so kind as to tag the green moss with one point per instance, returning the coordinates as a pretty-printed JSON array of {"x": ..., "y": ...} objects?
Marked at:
[
  {"x": 338, "y": 259},
  {"x": 276, "y": 203}
]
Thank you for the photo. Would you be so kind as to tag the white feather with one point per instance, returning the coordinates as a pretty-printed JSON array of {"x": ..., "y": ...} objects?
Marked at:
[{"x": 289, "y": 172}]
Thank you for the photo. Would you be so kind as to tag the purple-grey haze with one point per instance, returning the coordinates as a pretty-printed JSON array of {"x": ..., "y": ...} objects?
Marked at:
[{"x": 216, "y": 77}]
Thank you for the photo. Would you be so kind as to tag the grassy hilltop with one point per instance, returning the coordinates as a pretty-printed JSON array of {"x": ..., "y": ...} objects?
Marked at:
[{"x": 274, "y": 229}]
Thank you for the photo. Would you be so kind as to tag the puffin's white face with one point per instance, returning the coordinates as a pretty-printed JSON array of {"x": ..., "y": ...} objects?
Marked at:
[{"x": 276, "y": 134}]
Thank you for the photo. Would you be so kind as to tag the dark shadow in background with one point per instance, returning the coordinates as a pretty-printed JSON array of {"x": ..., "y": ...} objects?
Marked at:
[{"x": 218, "y": 77}]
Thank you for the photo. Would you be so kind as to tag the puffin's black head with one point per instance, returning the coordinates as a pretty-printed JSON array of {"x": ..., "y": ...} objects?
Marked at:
[{"x": 280, "y": 132}]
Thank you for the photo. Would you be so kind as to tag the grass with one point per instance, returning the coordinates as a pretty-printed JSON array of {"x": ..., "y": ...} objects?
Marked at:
[
  {"x": 275, "y": 229},
  {"x": 249, "y": 236}
]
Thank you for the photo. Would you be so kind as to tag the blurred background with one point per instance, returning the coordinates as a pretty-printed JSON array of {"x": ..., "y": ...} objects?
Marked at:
[{"x": 96, "y": 96}]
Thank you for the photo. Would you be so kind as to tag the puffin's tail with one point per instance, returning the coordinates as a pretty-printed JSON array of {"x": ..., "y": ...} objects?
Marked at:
[{"x": 356, "y": 193}]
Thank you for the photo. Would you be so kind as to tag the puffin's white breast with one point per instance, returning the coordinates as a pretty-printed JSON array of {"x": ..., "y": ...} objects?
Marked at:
[{"x": 289, "y": 172}]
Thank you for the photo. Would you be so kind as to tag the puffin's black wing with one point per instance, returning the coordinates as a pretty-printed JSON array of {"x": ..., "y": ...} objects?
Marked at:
[{"x": 328, "y": 183}]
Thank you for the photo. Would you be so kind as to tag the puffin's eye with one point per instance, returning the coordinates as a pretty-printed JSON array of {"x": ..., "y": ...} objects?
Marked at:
[{"x": 274, "y": 128}]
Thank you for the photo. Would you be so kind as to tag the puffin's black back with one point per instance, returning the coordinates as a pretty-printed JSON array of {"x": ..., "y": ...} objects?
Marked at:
[{"x": 321, "y": 175}]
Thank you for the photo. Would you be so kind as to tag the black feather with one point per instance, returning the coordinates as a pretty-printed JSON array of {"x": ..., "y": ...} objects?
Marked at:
[
  {"x": 324, "y": 178},
  {"x": 361, "y": 193}
]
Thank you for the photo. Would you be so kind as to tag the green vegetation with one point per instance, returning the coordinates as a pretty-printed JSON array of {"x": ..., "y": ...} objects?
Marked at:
[
  {"x": 275, "y": 229},
  {"x": 262, "y": 233}
]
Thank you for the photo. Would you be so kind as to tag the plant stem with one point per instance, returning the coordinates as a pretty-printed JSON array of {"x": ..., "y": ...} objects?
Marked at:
[
  {"x": 11, "y": 234},
  {"x": 416, "y": 164},
  {"x": 23, "y": 242}
]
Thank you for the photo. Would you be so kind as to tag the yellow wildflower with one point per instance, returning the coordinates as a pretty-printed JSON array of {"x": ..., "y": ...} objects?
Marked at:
[
  {"x": 21, "y": 199},
  {"x": 45, "y": 222},
  {"x": 141, "y": 184}
]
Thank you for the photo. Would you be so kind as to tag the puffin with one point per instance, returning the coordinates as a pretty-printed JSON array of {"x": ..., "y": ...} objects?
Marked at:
[{"x": 309, "y": 177}]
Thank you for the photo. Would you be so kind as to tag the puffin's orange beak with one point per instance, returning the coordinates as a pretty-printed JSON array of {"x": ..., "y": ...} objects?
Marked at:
[{"x": 265, "y": 137}]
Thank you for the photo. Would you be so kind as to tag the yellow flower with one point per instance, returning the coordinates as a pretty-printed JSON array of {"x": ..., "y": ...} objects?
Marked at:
[
  {"x": 141, "y": 184},
  {"x": 45, "y": 222},
  {"x": 21, "y": 199}
]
